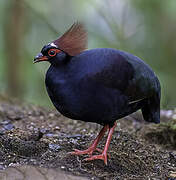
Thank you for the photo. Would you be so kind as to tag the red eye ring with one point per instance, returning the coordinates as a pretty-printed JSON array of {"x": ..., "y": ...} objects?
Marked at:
[{"x": 53, "y": 52}]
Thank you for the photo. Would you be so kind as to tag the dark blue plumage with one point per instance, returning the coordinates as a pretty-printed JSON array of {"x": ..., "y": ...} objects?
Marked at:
[
  {"x": 102, "y": 85},
  {"x": 99, "y": 85}
]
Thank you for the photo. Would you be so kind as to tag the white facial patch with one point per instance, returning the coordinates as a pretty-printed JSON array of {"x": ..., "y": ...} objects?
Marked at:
[{"x": 52, "y": 44}]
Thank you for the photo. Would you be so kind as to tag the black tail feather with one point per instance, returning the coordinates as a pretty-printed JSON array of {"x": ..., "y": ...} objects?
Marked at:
[{"x": 151, "y": 111}]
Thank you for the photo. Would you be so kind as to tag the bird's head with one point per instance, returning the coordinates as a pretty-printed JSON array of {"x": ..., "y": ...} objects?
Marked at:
[{"x": 71, "y": 43}]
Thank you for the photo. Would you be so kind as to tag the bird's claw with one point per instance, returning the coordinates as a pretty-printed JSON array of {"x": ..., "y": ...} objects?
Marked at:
[
  {"x": 87, "y": 151},
  {"x": 102, "y": 156},
  {"x": 79, "y": 152}
]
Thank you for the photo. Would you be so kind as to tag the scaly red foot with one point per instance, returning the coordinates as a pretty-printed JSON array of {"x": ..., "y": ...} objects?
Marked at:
[
  {"x": 92, "y": 148},
  {"x": 88, "y": 151},
  {"x": 102, "y": 156}
]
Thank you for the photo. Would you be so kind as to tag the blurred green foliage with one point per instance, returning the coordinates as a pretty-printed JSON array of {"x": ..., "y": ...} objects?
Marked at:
[{"x": 144, "y": 28}]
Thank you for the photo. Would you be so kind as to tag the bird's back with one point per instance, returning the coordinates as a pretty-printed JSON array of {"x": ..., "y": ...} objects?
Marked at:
[{"x": 116, "y": 69}]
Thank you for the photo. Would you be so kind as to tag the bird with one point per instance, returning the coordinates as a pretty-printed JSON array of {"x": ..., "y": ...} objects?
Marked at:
[{"x": 98, "y": 85}]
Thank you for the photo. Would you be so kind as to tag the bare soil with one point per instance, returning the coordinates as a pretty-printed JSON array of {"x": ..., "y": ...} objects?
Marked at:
[{"x": 36, "y": 137}]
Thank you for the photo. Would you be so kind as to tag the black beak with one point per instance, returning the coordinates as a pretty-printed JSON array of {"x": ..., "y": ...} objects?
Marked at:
[{"x": 40, "y": 58}]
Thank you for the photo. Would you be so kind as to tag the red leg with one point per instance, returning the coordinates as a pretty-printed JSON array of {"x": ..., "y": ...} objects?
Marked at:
[
  {"x": 103, "y": 156},
  {"x": 93, "y": 146}
]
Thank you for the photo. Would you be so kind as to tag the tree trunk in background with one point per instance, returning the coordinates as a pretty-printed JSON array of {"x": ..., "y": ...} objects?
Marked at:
[{"x": 13, "y": 35}]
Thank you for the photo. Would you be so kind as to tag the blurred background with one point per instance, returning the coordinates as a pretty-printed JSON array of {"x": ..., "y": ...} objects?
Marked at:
[{"x": 144, "y": 28}]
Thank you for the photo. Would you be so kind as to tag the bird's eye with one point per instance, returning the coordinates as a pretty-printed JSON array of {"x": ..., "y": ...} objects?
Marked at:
[{"x": 52, "y": 52}]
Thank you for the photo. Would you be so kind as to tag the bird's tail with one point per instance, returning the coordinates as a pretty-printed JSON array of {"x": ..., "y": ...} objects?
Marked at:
[{"x": 151, "y": 110}]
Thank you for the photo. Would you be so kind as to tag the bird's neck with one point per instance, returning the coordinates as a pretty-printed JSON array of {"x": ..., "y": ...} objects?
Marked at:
[
  {"x": 60, "y": 61},
  {"x": 59, "y": 70}
]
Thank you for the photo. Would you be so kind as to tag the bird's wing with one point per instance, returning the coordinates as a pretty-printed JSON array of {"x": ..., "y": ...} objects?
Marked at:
[
  {"x": 121, "y": 74},
  {"x": 115, "y": 75}
]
